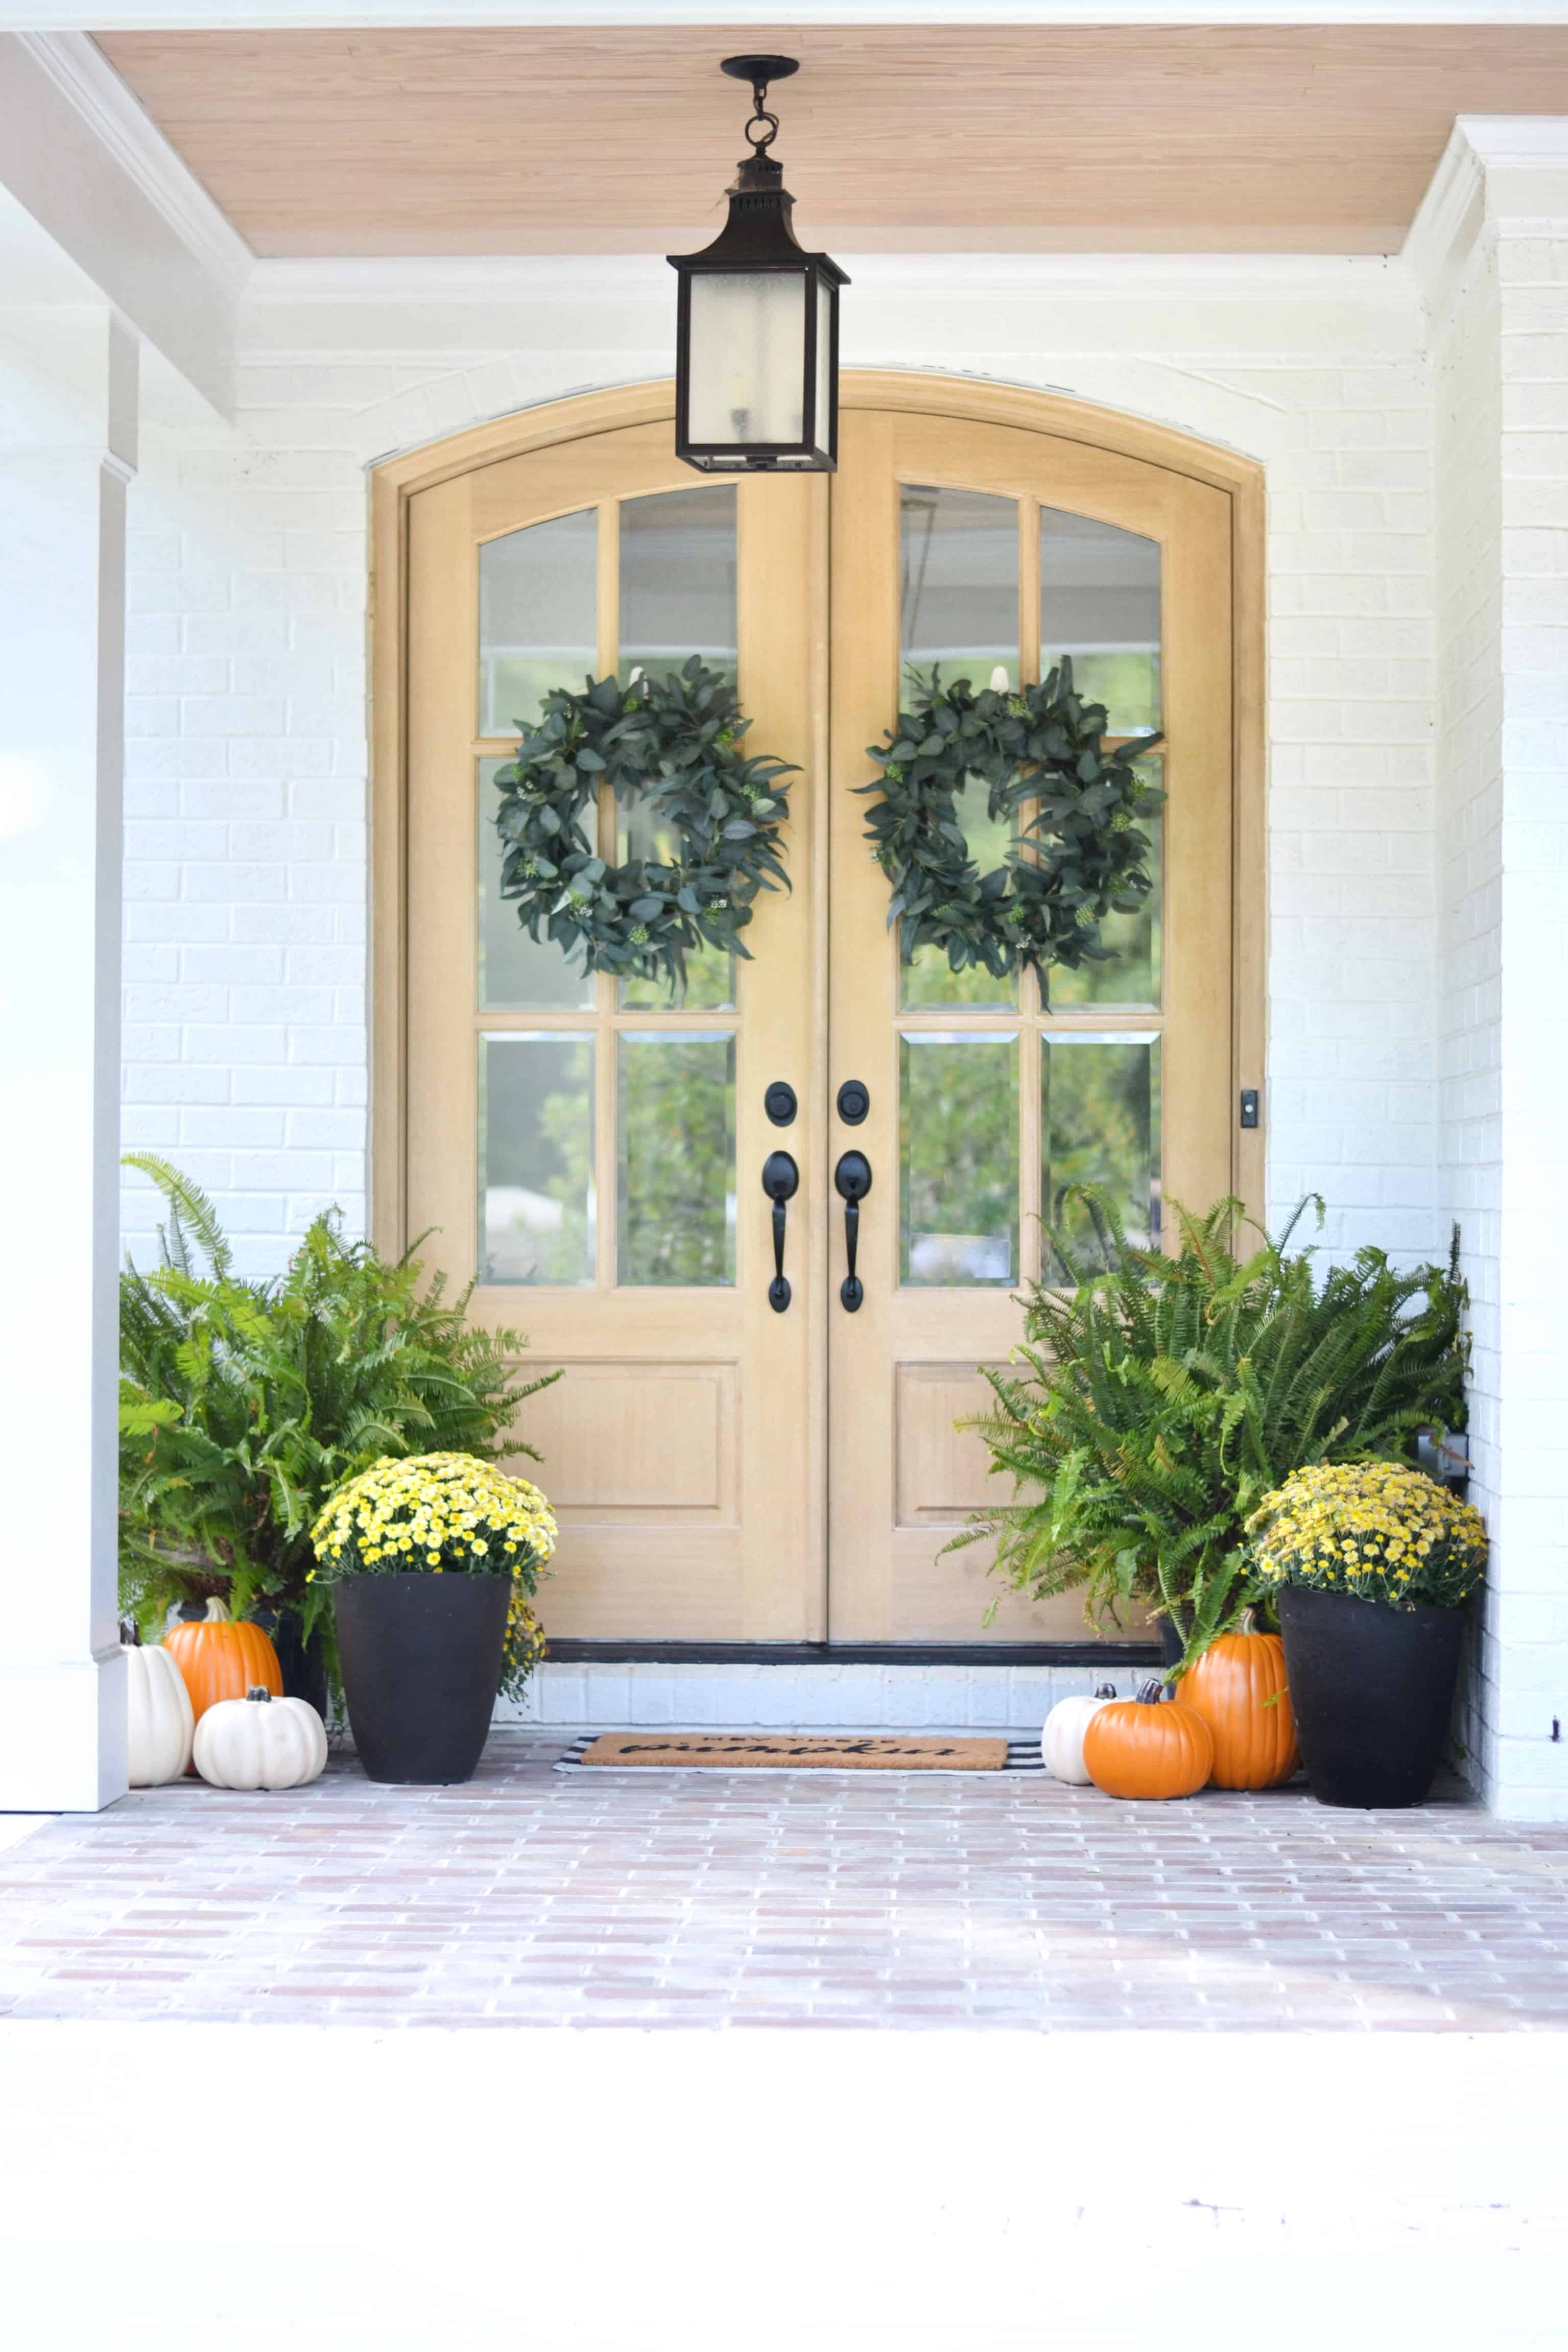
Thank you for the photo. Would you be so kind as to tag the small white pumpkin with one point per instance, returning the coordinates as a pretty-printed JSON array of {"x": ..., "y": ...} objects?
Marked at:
[
  {"x": 158, "y": 1717},
  {"x": 260, "y": 1742},
  {"x": 1061, "y": 1741}
]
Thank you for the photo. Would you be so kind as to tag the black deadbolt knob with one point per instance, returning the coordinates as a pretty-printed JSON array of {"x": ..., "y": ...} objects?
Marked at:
[
  {"x": 854, "y": 1101},
  {"x": 779, "y": 1103}
]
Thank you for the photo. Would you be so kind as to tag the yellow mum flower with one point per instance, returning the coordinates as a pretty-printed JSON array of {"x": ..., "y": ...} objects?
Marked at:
[{"x": 1365, "y": 1522}]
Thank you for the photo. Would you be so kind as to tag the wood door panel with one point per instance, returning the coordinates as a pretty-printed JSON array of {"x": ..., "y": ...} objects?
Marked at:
[
  {"x": 942, "y": 1470},
  {"x": 687, "y": 1450},
  {"x": 632, "y": 1441},
  {"x": 626, "y": 1584},
  {"x": 903, "y": 1478},
  {"x": 947, "y": 1597},
  {"x": 680, "y": 1517}
]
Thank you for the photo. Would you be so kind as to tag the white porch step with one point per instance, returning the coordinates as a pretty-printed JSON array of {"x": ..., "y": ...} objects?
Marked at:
[{"x": 818, "y": 1695}]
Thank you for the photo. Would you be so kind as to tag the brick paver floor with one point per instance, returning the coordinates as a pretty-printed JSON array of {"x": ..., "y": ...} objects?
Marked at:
[{"x": 529, "y": 1897}]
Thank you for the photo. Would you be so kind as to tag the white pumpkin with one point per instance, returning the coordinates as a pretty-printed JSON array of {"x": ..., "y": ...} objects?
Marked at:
[
  {"x": 260, "y": 1742},
  {"x": 158, "y": 1717},
  {"x": 1061, "y": 1741}
]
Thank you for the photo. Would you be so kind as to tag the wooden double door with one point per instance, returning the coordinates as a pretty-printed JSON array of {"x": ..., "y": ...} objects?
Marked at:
[{"x": 591, "y": 1154}]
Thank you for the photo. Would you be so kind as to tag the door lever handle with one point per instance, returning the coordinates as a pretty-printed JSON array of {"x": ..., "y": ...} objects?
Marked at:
[
  {"x": 852, "y": 1178},
  {"x": 781, "y": 1178}
]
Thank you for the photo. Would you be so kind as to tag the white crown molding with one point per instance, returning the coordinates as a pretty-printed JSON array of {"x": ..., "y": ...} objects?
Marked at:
[
  {"x": 1517, "y": 141},
  {"x": 1448, "y": 221},
  {"x": 1495, "y": 168},
  {"x": 421, "y": 279},
  {"x": 85, "y": 78}
]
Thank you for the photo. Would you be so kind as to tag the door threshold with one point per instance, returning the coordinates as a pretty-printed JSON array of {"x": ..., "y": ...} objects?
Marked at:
[{"x": 855, "y": 1654}]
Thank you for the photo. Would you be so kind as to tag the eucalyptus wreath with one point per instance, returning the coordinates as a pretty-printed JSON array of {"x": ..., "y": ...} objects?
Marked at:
[
  {"x": 674, "y": 744},
  {"x": 1077, "y": 855}
]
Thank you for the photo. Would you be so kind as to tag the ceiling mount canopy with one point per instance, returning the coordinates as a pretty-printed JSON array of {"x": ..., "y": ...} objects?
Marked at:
[{"x": 756, "y": 368}]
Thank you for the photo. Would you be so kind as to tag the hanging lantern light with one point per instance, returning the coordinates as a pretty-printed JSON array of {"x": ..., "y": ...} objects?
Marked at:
[{"x": 756, "y": 367}]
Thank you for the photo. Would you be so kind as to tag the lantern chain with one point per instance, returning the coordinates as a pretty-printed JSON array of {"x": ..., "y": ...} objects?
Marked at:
[{"x": 759, "y": 114}]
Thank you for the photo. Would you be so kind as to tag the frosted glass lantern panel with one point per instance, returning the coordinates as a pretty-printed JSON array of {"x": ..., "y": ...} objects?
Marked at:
[
  {"x": 823, "y": 427},
  {"x": 538, "y": 617},
  {"x": 747, "y": 381},
  {"x": 537, "y": 1205},
  {"x": 1099, "y": 601}
]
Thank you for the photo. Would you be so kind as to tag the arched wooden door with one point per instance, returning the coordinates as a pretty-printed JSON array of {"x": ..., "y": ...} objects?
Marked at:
[{"x": 591, "y": 1155}]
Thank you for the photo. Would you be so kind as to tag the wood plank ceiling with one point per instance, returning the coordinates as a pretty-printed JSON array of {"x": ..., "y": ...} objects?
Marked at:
[{"x": 1184, "y": 138}]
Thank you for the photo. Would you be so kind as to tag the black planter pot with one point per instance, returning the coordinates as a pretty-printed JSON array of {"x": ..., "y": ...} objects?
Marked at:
[
  {"x": 420, "y": 1658},
  {"x": 300, "y": 1663},
  {"x": 1173, "y": 1637},
  {"x": 1372, "y": 1689}
]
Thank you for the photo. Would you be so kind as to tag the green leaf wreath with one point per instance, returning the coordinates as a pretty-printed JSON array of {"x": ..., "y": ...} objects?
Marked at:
[
  {"x": 1078, "y": 854},
  {"x": 674, "y": 744}
]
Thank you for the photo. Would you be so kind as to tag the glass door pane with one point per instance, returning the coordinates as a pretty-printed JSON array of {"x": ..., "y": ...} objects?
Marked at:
[
  {"x": 678, "y": 581},
  {"x": 958, "y": 604},
  {"x": 958, "y": 1157},
  {"x": 1100, "y": 1126},
  {"x": 538, "y": 629},
  {"x": 538, "y": 617},
  {"x": 1099, "y": 601},
  {"x": 537, "y": 1207},
  {"x": 676, "y": 1166},
  {"x": 678, "y": 597}
]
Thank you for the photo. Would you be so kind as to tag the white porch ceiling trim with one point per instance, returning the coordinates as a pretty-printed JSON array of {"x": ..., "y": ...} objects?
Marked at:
[
  {"x": 1006, "y": 312},
  {"x": 83, "y": 158},
  {"x": 1239, "y": 277},
  {"x": 83, "y": 75}
]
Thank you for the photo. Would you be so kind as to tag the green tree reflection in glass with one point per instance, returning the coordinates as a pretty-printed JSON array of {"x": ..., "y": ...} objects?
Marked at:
[
  {"x": 537, "y": 1209},
  {"x": 1132, "y": 976},
  {"x": 676, "y": 1173},
  {"x": 958, "y": 1142},
  {"x": 1101, "y": 1112}
]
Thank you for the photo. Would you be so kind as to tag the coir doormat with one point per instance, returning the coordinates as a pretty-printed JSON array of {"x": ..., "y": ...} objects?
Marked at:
[{"x": 790, "y": 1751}]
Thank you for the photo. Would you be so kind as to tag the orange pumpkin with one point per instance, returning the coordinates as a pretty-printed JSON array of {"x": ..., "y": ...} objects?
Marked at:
[
  {"x": 1238, "y": 1687},
  {"x": 222, "y": 1657},
  {"x": 1139, "y": 1748}
]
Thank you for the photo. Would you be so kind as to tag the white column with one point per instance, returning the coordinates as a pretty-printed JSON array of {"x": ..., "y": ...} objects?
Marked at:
[
  {"x": 67, "y": 427},
  {"x": 1493, "y": 239}
]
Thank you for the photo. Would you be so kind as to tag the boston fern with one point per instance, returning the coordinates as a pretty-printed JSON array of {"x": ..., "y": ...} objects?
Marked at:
[
  {"x": 1165, "y": 1396},
  {"x": 243, "y": 1405}
]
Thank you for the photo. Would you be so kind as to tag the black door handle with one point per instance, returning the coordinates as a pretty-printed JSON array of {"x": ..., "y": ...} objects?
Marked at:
[
  {"x": 781, "y": 1178},
  {"x": 853, "y": 1178}
]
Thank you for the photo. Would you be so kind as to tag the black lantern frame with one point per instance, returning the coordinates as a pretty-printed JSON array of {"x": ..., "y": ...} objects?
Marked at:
[{"x": 757, "y": 239}]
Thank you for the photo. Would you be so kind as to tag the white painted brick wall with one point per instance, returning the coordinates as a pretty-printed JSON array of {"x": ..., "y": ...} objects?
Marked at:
[
  {"x": 245, "y": 925},
  {"x": 246, "y": 1002}
]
